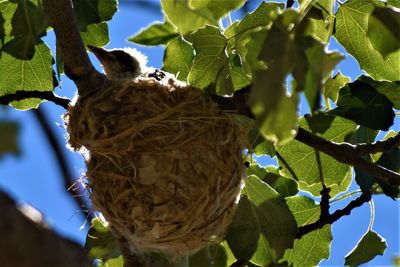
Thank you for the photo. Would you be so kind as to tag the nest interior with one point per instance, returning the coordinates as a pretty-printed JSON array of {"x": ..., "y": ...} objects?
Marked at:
[{"x": 165, "y": 163}]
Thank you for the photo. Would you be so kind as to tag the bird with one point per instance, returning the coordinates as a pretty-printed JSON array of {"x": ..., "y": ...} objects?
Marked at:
[{"x": 125, "y": 63}]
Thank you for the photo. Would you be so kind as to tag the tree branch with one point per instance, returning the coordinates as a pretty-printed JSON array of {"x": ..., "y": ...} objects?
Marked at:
[
  {"x": 346, "y": 153},
  {"x": 77, "y": 65},
  {"x": 70, "y": 184},
  {"x": 46, "y": 95},
  {"x": 27, "y": 241},
  {"x": 331, "y": 218},
  {"x": 378, "y": 146}
]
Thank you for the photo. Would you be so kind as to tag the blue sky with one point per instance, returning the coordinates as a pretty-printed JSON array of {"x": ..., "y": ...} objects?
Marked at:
[{"x": 34, "y": 177}]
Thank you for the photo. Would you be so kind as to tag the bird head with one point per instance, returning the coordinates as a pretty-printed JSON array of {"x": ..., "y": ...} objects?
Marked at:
[{"x": 126, "y": 63}]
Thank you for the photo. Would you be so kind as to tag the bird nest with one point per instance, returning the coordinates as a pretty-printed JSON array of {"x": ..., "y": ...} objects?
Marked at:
[{"x": 164, "y": 165}]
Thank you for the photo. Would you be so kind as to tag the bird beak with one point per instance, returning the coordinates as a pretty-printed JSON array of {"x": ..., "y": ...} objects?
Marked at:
[{"x": 101, "y": 54}]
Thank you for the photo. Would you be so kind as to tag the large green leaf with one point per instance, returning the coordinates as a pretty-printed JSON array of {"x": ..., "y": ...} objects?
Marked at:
[
  {"x": 210, "y": 58},
  {"x": 314, "y": 246},
  {"x": 302, "y": 159},
  {"x": 263, "y": 226},
  {"x": 352, "y": 27},
  {"x": 155, "y": 34},
  {"x": 29, "y": 75},
  {"x": 9, "y": 131},
  {"x": 178, "y": 58},
  {"x": 27, "y": 26},
  {"x": 186, "y": 18},
  {"x": 276, "y": 112},
  {"x": 218, "y": 8},
  {"x": 369, "y": 246},
  {"x": 361, "y": 102},
  {"x": 100, "y": 243}
]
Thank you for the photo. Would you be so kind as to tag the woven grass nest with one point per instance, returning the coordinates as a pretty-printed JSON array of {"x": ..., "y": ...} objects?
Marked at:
[{"x": 165, "y": 163}]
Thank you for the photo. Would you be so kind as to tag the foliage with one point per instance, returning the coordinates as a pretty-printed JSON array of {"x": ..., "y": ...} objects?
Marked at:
[{"x": 280, "y": 53}]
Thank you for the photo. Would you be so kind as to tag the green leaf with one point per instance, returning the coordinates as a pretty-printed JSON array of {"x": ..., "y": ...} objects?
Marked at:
[
  {"x": 218, "y": 8},
  {"x": 270, "y": 175},
  {"x": 362, "y": 103},
  {"x": 155, "y": 34},
  {"x": 211, "y": 256},
  {"x": 319, "y": 21},
  {"x": 334, "y": 84},
  {"x": 185, "y": 18},
  {"x": 28, "y": 25},
  {"x": 383, "y": 30},
  {"x": 314, "y": 246},
  {"x": 352, "y": 32},
  {"x": 263, "y": 227},
  {"x": 116, "y": 262},
  {"x": 94, "y": 11},
  {"x": 394, "y": 3},
  {"x": 9, "y": 132},
  {"x": 369, "y": 246},
  {"x": 276, "y": 113},
  {"x": 313, "y": 68},
  {"x": 390, "y": 160},
  {"x": 96, "y": 34},
  {"x": 279, "y": 125},
  {"x": 264, "y": 148},
  {"x": 302, "y": 159},
  {"x": 390, "y": 89},
  {"x": 100, "y": 243},
  {"x": 178, "y": 58},
  {"x": 29, "y": 75},
  {"x": 210, "y": 58},
  {"x": 262, "y": 17}
]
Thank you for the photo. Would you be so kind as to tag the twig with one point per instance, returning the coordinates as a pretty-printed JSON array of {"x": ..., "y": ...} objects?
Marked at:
[
  {"x": 324, "y": 204},
  {"x": 77, "y": 65},
  {"x": 379, "y": 146},
  {"x": 323, "y": 220},
  {"x": 46, "y": 95},
  {"x": 69, "y": 182},
  {"x": 347, "y": 153}
]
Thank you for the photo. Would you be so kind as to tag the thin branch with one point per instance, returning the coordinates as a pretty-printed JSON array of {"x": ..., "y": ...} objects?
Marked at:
[
  {"x": 379, "y": 146},
  {"x": 77, "y": 65},
  {"x": 330, "y": 219},
  {"x": 342, "y": 152},
  {"x": 69, "y": 182},
  {"x": 46, "y": 95},
  {"x": 346, "y": 153}
]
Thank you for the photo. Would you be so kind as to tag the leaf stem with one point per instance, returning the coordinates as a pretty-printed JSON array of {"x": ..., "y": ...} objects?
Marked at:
[
  {"x": 45, "y": 95},
  {"x": 346, "y": 195},
  {"x": 372, "y": 208}
]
